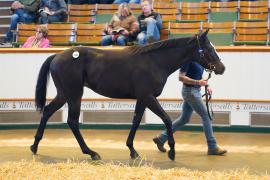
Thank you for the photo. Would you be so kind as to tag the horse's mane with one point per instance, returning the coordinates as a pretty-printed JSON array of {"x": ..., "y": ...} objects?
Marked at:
[{"x": 164, "y": 44}]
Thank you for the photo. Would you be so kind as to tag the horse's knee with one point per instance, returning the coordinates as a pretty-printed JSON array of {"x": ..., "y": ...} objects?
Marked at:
[
  {"x": 72, "y": 124},
  {"x": 46, "y": 114},
  {"x": 168, "y": 122}
]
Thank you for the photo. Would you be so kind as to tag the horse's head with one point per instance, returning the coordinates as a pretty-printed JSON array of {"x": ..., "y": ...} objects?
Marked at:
[{"x": 207, "y": 55}]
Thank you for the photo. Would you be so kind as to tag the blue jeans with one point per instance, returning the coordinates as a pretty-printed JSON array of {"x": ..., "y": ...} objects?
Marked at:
[
  {"x": 46, "y": 18},
  {"x": 152, "y": 31},
  {"x": 193, "y": 101},
  {"x": 107, "y": 40},
  {"x": 19, "y": 16},
  {"x": 127, "y": 1}
]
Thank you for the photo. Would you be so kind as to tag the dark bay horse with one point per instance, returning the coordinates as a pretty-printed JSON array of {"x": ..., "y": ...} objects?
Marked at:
[{"x": 138, "y": 72}]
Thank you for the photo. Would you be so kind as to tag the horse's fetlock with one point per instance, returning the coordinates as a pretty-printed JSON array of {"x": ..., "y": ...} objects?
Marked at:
[
  {"x": 129, "y": 144},
  {"x": 71, "y": 123},
  {"x": 86, "y": 151},
  {"x": 171, "y": 144}
]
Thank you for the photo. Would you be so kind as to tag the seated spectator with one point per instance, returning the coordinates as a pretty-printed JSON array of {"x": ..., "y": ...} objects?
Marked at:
[
  {"x": 121, "y": 28},
  {"x": 150, "y": 24},
  {"x": 22, "y": 12},
  {"x": 127, "y": 1},
  {"x": 39, "y": 40},
  {"x": 52, "y": 11}
]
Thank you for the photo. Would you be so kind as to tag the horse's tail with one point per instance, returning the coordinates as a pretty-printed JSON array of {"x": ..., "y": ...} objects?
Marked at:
[{"x": 41, "y": 87}]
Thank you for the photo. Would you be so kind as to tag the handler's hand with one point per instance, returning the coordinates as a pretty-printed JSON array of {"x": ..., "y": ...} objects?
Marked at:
[
  {"x": 202, "y": 82},
  {"x": 209, "y": 90}
]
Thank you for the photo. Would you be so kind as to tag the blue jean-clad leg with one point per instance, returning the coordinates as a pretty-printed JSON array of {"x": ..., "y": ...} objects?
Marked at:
[
  {"x": 179, "y": 122},
  {"x": 134, "y": 1},
  {"x": 121, "y": 40},
  {"x": 141, "y": 38},
  {"x": 43, "y": 19},
  {"x": 29, "y": 18},
  {"x": 196, "y": 102},
  {"x": 54, "y": 18},
  {"x": 20, "y": 13},
  {"x": 13, "y": 24},
  {"x": 18, "y": 16},
  {"x": 106, "y": 40},
  {"x": 193, "y": 101},
  {"x": 152, "y": 30},
  {"x": 120, "y": 1}
]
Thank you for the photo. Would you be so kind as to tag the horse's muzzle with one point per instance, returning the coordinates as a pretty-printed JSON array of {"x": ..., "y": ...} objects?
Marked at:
[{"x": 220, "y": 70}]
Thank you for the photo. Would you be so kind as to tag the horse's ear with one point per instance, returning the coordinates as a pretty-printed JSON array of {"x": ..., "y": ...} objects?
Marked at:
[{"x": 204, "y": 34}]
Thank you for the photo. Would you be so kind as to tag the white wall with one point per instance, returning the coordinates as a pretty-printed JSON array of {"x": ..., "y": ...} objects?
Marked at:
[{"x": 246, "y": 77}]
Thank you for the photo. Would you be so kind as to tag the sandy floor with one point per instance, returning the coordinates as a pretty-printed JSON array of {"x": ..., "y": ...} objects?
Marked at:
[{"x": 245, "y": 150}]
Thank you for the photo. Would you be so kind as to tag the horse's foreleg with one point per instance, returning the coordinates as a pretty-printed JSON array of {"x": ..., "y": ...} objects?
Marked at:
[
  {"x": 155, "y": 107},
  {"x": 73, "y": 122},
  {"x": 51, "y": 108},
  {"x": 139, "y": 110}
]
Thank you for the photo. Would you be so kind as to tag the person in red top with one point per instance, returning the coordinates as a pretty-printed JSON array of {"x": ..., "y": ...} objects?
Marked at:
[{"x": 39, "y": 40}]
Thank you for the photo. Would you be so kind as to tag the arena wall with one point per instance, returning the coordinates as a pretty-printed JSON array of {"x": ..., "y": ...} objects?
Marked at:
[{"x": 241, "y": 96}]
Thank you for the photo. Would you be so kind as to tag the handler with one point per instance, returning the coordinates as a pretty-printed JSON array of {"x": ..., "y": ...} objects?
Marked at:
[{"x": 191, "y": 76}]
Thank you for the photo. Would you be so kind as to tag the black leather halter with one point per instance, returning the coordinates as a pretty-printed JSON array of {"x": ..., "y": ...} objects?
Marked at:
[{"x": 207, "y": 95}]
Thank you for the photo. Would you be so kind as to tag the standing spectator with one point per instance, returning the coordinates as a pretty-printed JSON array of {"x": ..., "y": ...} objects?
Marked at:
[
  {"x": 121, "y": 28},
  {"x": 52, "y": 11},
  {"x": 150, "y": 24},
  {"x": 39, "y": 40},
  {"x": 22, "y": 12}
]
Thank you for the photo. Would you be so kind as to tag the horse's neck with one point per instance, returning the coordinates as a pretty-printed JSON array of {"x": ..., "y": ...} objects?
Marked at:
[{"x": 174, "y": 58}]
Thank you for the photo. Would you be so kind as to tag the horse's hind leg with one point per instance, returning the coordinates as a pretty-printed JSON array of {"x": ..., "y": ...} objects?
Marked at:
[
  {"x": 139, "y": 110},
  {"x": 73, "y": 122},
  {"x": 155, "y": 107},
  {"x": 51, "y": 108}
]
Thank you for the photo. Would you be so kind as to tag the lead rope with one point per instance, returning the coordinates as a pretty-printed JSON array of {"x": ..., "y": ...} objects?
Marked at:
[{"x": 208, "y": 98}]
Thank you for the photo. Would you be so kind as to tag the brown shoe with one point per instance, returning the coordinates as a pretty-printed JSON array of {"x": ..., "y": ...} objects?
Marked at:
[
  {"x": 159, "y": 144},
  {"x": 217, "y": 151}
]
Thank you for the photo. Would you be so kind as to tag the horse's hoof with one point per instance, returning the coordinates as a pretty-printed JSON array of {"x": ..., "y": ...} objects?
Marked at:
[
  {"x": 33, "y": 149},
  {"x": 96, "y": 157},
  {"x": 171, "y": 154},
  {"x": 134, "y": 155}
]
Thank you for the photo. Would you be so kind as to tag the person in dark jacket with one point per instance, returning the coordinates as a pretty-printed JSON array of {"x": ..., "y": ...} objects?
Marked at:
[
  {"x": 150, "y": 24},
  {"x": 52, "y": 11}
]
